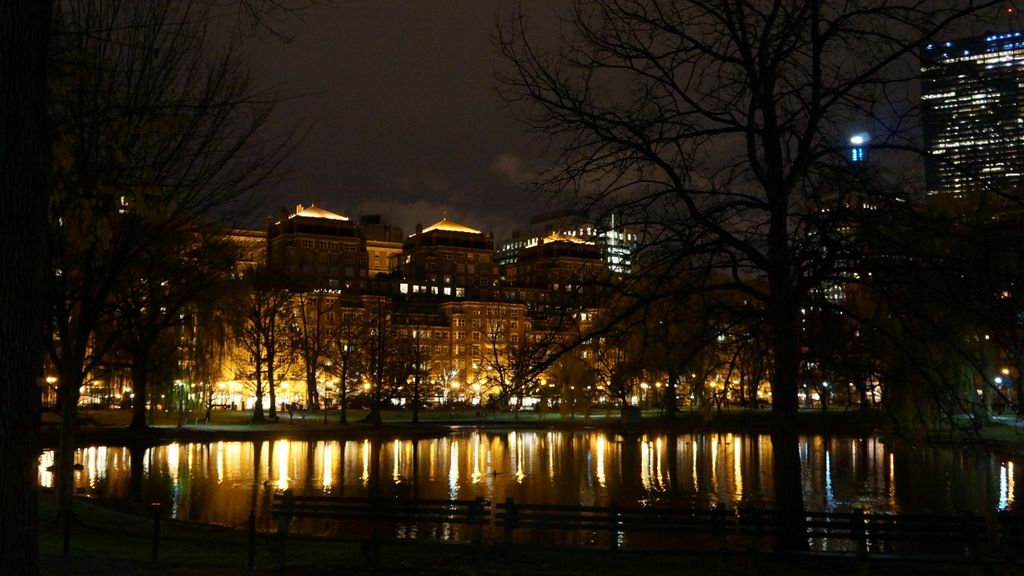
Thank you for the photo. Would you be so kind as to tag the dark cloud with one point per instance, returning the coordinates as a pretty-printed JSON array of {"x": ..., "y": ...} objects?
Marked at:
[{"x": 402, "y": 113}]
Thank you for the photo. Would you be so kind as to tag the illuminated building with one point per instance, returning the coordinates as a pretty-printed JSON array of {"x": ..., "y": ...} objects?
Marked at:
[
  {"x": 383, "y": 243},
  {"x": 972, "y": 91},
  {"x": 317, "y": 248},
  {"x": 449, "y": 318},
  {"x": 447, "y": 259},
  {"x": 616, "y": 243},
  {"x": 558, "y": 262},
  {"x": 251, "y": 246}
]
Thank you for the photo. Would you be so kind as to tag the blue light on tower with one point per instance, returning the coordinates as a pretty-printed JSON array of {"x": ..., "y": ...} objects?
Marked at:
[{"x": 857, "y": 151}]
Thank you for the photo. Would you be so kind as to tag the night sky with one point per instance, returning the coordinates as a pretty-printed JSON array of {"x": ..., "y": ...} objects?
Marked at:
[{"x": 404, "y": 117}]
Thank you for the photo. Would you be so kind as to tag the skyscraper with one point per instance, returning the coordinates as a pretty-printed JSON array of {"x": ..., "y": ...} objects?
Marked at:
[{"x": 972, "y": 91}]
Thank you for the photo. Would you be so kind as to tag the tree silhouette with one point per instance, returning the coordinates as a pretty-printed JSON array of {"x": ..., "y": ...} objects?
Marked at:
[
  {"x": 158, "y": 129},
  {"x": 714, "y": 128}
]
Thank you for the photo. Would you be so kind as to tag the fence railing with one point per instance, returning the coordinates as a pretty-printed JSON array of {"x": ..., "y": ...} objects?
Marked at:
[{"x": 865, "y": 536}]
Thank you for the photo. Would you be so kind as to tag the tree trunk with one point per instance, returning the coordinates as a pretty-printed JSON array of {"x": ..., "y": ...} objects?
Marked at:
[
  {"x": 343, "y": 419},
  {"x": 24, "y": 197},
  {"x": 257, "y": 407},
  {"x": 312, "y": 396},
  {"x": 271, "y": 341},
  {"x": 785, "y": 451},
  {"x": 375, "y": 417},
  {"x": 671, "y": 400},
  {"x": 140, "y": 386},
  {"x": 65, "y": 459},
  {"x": 416, "y": 400}
]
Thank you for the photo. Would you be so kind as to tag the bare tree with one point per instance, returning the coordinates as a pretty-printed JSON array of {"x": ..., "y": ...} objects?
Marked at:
[
  {"x": 574, "y": 381},
  {"x": 205, "y": 335},
  {"x": 309, "y": 338},
  {"x": 25, "y": 174},
  {"x": 346, "y": 338},
  {"x": 158, "y": 129},
  {"x": 165, "y": 282},
  {"x": 379, "y": 352},
  {"x": 617, "y": 360},
  {"x": 712, "y": 125},
  {"x": 414, "y": 355},
  {"x": 255, "y": 329}
]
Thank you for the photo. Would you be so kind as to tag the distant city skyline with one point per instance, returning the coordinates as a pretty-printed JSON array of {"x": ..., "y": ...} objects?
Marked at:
[{"x": 400, "y": 113}]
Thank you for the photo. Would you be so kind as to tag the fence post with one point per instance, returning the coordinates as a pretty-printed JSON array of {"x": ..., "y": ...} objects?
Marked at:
[
  {"x": 859, "y": 534},
  {"x": 613, "y": 528},
  {"x": 373, "y": 547},
  {"x": 156, "y": 531},
  {"x": 66, "y": 519},
  {"x": 252, "y": 538},
  {"x": 718, "y": 528},
  {"x": 975, "y": 550},
  {"x": 718, "y": 531},
  {"x": 476, "y": 520},
  {"x": 750, "y": 524},
  {"x": 511, "y": 520},
  {"x": 283, "y": 519}
]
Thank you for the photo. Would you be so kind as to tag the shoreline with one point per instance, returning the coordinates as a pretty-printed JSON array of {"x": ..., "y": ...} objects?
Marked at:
[
  {"x": 110, "y": 427},
  {"x": 104, "y": 430}
]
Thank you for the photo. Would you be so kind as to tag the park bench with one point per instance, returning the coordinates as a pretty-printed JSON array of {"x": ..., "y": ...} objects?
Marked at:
[
  {"x": 919, "y": 539},
  {"x": 373, "y": 522},
  {"x": 855, "y": 536},
  {"x": 861, "y": 537},
  {"x": 618, "y": 530}
]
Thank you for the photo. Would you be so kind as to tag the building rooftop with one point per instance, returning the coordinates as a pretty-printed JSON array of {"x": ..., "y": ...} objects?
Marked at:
[
  {"x": 316, "y": 212},
  {"x": 563, "y": 237},
  {"x": 447, "y": 225}
]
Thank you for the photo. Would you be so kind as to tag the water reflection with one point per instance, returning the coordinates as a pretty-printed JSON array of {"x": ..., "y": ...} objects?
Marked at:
[{"x": 221, "y": 482}]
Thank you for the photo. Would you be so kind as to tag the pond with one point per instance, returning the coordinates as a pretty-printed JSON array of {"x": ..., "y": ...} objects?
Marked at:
[{"x": 220, "y": 482}]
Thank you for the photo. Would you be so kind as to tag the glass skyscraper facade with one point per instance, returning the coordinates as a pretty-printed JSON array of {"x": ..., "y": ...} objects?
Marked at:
[{"x": 972, "y": 92}]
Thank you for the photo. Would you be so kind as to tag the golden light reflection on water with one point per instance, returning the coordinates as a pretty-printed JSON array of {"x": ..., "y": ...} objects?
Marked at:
[
  {"x": 220, "y": 462},
  {"x": 453, "y": 470},
  {"x": 327, "y": 466},
  {"x": 1007, "y": 486},
  {"x": 714, "y": 465},
  {"x": 891, "y": 492},
  {"x": 221, "y": 481},
  {"x": 650, "y": 464},
  {"x": 520, "y": 457},
  {"x": 474, "y": 448},
  {"x": 396, "y": 461},
  {"x": 550, "y": 456},
  {"x": 365, "y": 477},
  {"x": 737, "y": 468},
  {"x": 693, "y": 451},
  {"x": 173, "y": 455},
  {"x": 280, "y": 454}
]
